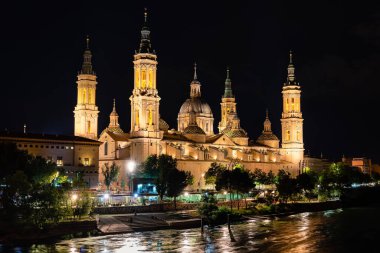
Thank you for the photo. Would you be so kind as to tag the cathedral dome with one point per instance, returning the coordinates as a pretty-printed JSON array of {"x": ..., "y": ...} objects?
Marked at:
[
  {"x": 163, "y": 126},
  {"x": 235, "y": 133},
  {"x": 197, "y": 105},
  {"x": 193, "y": 129},
  {"x": 267, "y": 136}
]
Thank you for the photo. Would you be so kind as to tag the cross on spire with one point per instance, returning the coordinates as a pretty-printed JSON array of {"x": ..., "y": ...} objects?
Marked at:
[{"x": 195, "y": 72}]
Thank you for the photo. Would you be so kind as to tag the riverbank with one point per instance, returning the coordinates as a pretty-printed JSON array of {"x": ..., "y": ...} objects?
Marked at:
[
  {"x": 129, "y": 223},
  {"x": 65, "y": 229}
]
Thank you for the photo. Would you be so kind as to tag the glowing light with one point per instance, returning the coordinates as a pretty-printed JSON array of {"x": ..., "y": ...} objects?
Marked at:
[
  {"x": 131, "y": 165},
  {"x": 203, "y": 174},
  {"x": 135, "y": 195},
  {"x": 225, "y": 193},
  {"x": 186, "y": 194},
  {"x": 74, "y": 197},
  {"x": 106, "y": 196}
]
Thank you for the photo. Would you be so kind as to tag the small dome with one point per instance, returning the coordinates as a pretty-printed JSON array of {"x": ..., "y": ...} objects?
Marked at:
[
  {"x": 267, "y": 137},
  {"x": 233, "y": 133},
  {"x": 197, "y": 104},
  {"x": 163, "y": 126},
  {"x": 193, "y": 129}
]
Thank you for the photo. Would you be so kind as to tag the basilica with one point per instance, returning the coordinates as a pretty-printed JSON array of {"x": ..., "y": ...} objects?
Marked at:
[{"x": 194, "y": 142}]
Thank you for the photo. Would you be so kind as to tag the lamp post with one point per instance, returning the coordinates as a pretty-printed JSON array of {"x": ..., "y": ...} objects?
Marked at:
[{"x": 131, "y": 165}]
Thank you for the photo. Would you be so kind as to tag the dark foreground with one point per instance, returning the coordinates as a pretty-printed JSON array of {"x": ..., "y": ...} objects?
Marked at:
[{"x": 341, "y": 230}]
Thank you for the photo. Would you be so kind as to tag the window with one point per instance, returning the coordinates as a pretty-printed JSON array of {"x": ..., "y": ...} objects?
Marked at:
[
  {"x": 59, "y": 161},
  {"x": 19, "y": 145},
  {"x": 25, "y": 146},
  {"x": 206, "y": 127},
  {"x": 249, "y": 157},
  {"x": 292, "y": 104},
  {"x": 88, "y": 127},
  {"x": 57, "y": 147},
  {"x": 72, "y": 147},
  {"x": 298, "y": 136},
  {"x": 62, "y": 147},
  {"x": 287, "y": 135},
  {"x": 106, "y": 148},
  {"x": 80, "y": 158},
  {"x": 31, "y": 146},
  {"x": 287, "y": 105},
  {"x": 86, "y": 161},
  {"x": 207, "y": 156}
]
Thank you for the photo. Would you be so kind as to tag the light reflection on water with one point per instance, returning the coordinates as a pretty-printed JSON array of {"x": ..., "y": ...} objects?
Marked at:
[{"x": 306, "y": 232}]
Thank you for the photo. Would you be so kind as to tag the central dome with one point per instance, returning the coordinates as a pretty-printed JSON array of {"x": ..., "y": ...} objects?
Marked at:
[{"x": 197, "y": 105}]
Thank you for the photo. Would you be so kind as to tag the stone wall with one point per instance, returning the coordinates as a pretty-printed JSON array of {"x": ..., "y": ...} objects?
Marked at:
[{"x": 158, "y": 207}]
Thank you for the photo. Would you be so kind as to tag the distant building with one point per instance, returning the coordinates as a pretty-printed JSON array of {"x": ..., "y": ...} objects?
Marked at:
[
  {"x": 315, "y": 163},
  {"x": 365, "y": 164},
  {"x": 74, "y": 154}
]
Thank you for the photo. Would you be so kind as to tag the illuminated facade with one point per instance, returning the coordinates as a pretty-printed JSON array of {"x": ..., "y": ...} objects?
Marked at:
[
  {"x": 292, "y": 121},
  {"x": 86, "y": 111},
  {"x": 194, "y": 144},
  {"x": 71, "y": 153}
]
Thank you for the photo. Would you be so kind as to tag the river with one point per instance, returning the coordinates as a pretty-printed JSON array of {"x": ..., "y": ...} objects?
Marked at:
[{"x": 341, "y": 230}]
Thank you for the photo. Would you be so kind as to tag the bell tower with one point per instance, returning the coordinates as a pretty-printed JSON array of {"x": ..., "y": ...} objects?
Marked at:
[
  {"x": 86, "y": 112},
  {"x": 145, "y": 133},
  {"x": 228, "y": 105},
  {"x": 292, "y": 121}
]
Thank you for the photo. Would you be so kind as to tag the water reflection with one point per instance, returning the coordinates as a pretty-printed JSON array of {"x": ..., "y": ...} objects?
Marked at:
[{"x": 330, "y": 231}]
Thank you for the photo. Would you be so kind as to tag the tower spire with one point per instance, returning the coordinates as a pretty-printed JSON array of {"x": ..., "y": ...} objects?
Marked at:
[
  {"x": 267, "y": 124},
  {"x": 87, "y": 64},
  {"x": 195, "y": 85},
  {"x": 291, "y": 80},
  {"x": 195, "y": 72},
  {"x": 227, "y": 86},
  {"x": 114, "y": 105},
  {"x": 145, "y": 45}
]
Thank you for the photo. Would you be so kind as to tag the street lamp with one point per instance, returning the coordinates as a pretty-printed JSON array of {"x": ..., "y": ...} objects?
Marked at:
[{"x": 131, "y": 165}]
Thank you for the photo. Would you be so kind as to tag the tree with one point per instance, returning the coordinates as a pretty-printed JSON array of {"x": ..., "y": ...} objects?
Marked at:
[
  {"x": 238, "y": 180},
  {"x": 306, "y": 183},
  {"x": 260, "y": 177},
  {"x": 158, "y": 168},
  {"x": 286, "y": 185},
  {"x": 32, "y": 189},
  {"x": 177, "y": 181},
  {"x": 212, "y": 173},
  {"x": 242, "y": 182},
  {"x": 270, "y": 179},
  {"x": 110, "y": 174}
]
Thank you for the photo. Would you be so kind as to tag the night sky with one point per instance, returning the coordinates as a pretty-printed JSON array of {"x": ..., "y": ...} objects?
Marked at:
[{"x": 336, "y": 53}]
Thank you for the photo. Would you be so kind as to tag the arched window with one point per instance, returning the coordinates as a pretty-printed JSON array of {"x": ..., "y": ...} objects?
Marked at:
[
  {"x": 287, "y": 105},
  {"x": 151, "y": 79},
  {"x": 287, "y": 135},
  {"x": 206, "y": 127},
  {"x": 106, "y": 148},
  {"x": 84, "y": 97},
  {"x": 88, "y": 127},
  {"x": 137, "y": 121},
  {"x": 292, "y": 104},
  {"x": 150, "y": 116},
  {"x": 143, "y": 79}
]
